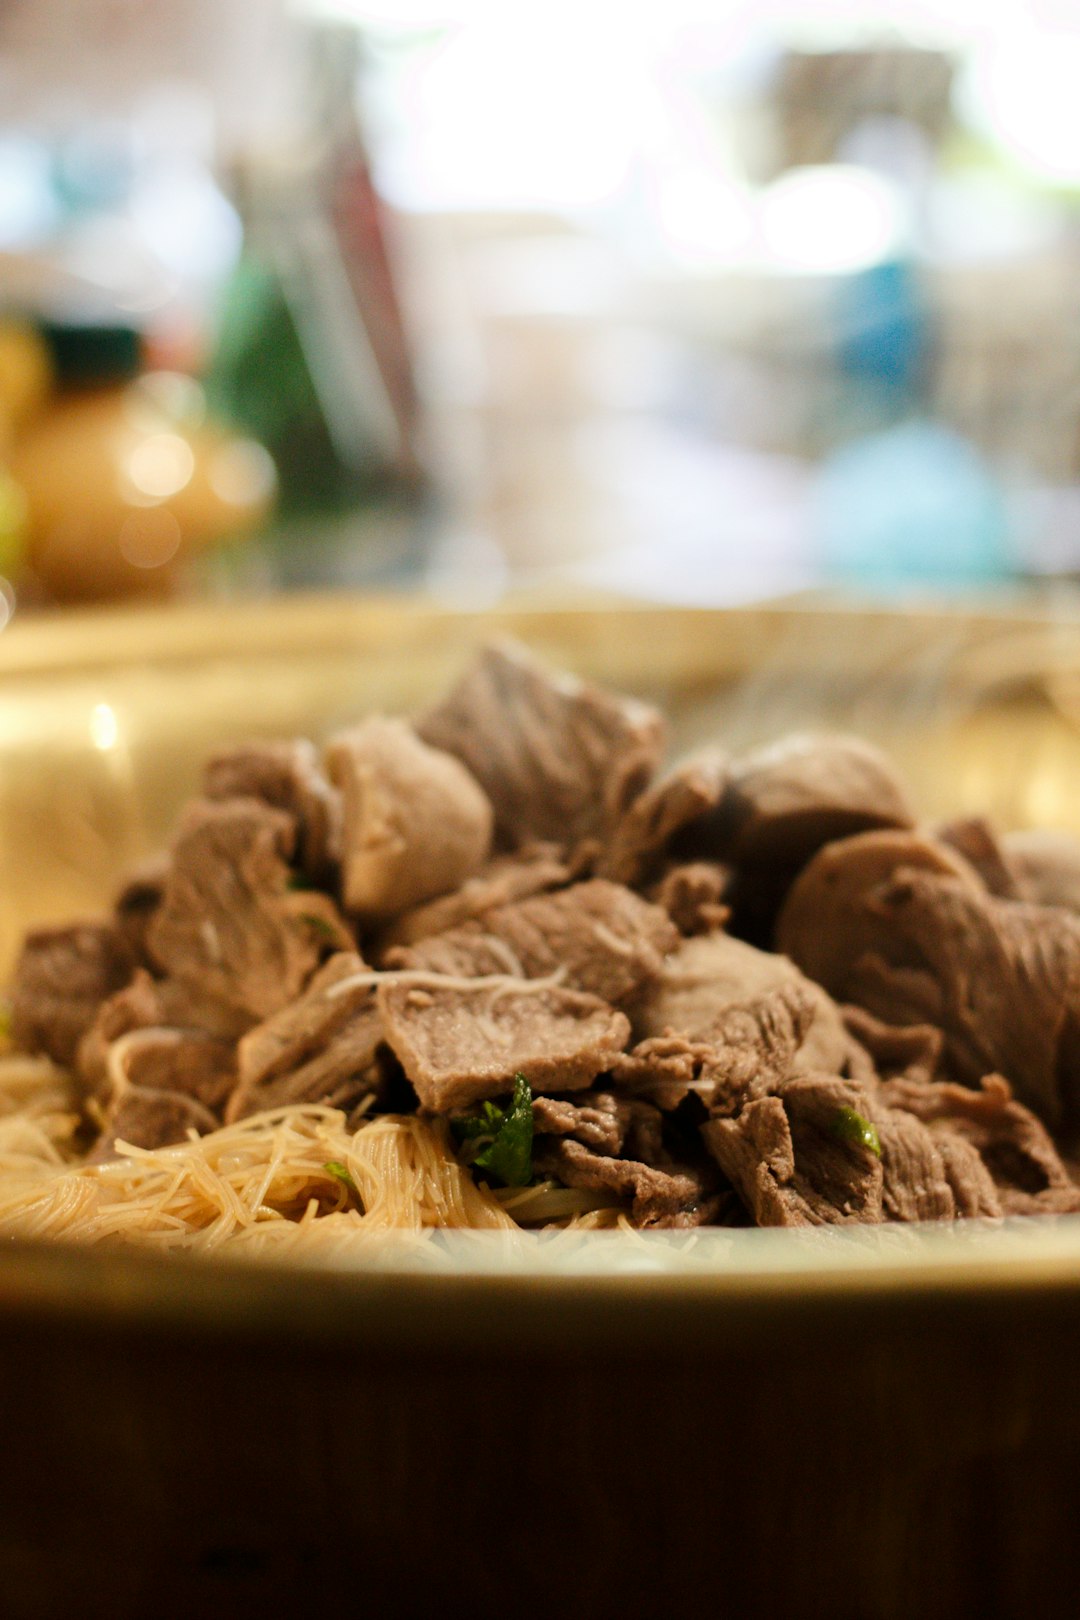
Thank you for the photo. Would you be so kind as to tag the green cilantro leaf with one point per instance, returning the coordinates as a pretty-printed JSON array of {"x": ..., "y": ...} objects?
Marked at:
[
  {"x": 850, "y": 1126},
  {"x": 338, "y": 1170},
  {"x": 500, "y": 1140}
]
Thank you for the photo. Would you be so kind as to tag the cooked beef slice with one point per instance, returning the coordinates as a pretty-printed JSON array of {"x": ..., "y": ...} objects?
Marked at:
[
  {"x": 709, "y": 975},
  {"x": 913, "y": 1051},
  {"x": 150, "y": 1119},
  {"x": 1015, "y": 1148},
  {"x": 784, "y": 801},
  {"x": 919, "y": 1183},
  {"x": 1000, "y": 978},
  {"x": 558, "y": 759},
  {"x": 61, "y": 978},
  {"x": 789, "y": 1163},
  {"x": 598, "y": 1119},
  {"x": 416, "y": 822},
  {"x": 531, "y": 870},
  {"x": 694, "y": 895},
  {"x": 136, "y": 1006},
  {"x": 755, "y": 1045},
  {"x": 320, "y": 1048},
  {"x": 1047, "y": 864},
  {"x": 182, "y": 1061},
  {"x": 756, "y": 1055},
  {"x": 830, "y": 917},
  {"x": 664, "y": 1068},
  {"x": 661, "y": 1198},
  {"x": 643, "y": 835},
  {"x": 602, "y": 937},
  {"x": 185, "y": 1006},
  {"x": 154, "y": 1054},
  {"x": 605, "y": 1123},
  {"x": 458, "y": 1044},
  {"x": 137, "y": 902},
  {"x": 288, "y": 776},
  {"x": 975, "y": 839},
  {"x": 229, "y": 928}
]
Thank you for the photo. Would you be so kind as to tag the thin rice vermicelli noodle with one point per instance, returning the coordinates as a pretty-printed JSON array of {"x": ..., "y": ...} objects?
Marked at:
[{"x": 292, "y": 1178}]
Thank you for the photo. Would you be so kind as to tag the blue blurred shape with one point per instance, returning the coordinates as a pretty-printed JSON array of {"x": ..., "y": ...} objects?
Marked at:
[
  {"x": 913, "y": 504},
  {"x": 882, "y": 327}
]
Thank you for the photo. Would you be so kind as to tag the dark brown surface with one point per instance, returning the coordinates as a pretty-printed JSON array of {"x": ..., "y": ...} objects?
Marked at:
[{"x": 705, "y": 1451}]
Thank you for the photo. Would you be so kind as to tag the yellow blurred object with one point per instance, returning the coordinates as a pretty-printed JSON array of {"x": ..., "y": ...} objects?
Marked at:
[
  {"x": 13, "y": 515},
  {"x": 126, "y": 484},
  {"x": 26, "y": 377}
]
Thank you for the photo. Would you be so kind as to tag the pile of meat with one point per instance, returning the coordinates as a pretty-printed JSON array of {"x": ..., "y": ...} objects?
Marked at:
[{"x": 746, "y": 990}]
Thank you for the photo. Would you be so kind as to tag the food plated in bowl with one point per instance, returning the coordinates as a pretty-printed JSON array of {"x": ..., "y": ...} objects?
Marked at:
[
  {"x": 166, "y": 1399},
  {"x": 500, "y": 964}
]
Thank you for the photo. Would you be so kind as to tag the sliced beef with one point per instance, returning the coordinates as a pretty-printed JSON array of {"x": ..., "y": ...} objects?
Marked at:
[
  {"x": 642, "y": 837},
  {"x": 230, "y": 929},
  {"x": 694, "y": 895},
  {"x": 754, "y": 1045},
  {"x": 1020, "y": 1159},
  {"x": 598, "y": 1119},
  {"x": 664, "y": 1068},
  {"x": 286, "y": 775},
  {"x": 130, "y": 1037},
  {"x": 602, "y": 937},
  {"x": 708, "y": 976},
  {"x": 660, "y": 1198},
  {"x": 975, "y": 839},
  {"x": 148, "y": 1083},
  {"x": 150, "y": 1119},
  {"x": 1001, "y": 979},
  {"x": 830, "y": 917},
  {"x": 558, "y": 759},
  {"x": 970, "y": 1183},
  {"x": 459, "y": 1043},
  {"x": 180, "y": 1060},
  {"x": 785, "y": 1136},
  {"x": 786, "y": 800},
  {"x": 320, "y": 1048},
  {"x": 1047, "y": 864},
  {"x": 534, "y": 869},
  {"x": 783, "y": 1152},
  {"x": 61, "y": 978},
  {"x": 137, "y": 1006},
  {"x": 911, "y": 1051},
  {"x": 605, "y": 1123},
  {"x": 781, "y": 805},
  {"x": 184, "y": 1005},
  {"x": 416, "y": 822},
  {"x": 919, "y": 1181},
  {"x": 137, "y": 903}
]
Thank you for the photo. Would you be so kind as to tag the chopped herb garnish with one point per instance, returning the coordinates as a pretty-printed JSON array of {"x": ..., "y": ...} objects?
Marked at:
[
  {"x": 319, "y": 926},
  {"x": 500, "y": 1140},
  {"x": 851, "y": 1126},
  {"x": 337, "y": 1169}
]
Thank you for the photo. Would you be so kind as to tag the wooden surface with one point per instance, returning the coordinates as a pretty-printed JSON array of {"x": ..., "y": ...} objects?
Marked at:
[{"x": 869, "y": 1459}]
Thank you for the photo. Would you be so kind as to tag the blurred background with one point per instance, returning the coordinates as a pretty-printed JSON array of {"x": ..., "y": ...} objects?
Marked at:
[{"x": 688, "y": 302}]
